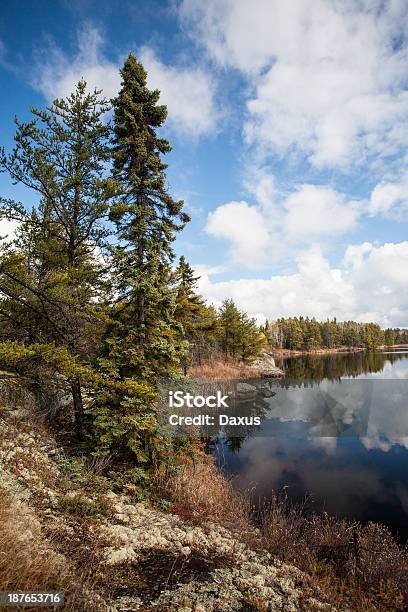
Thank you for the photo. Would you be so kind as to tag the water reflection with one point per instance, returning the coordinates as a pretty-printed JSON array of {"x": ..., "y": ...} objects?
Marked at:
[
  {"x": 324, "y": 433},
  {"x": 312, "y": 369}
]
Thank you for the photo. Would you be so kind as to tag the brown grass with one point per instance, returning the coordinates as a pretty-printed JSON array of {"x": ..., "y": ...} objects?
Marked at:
[
  {"x": 223, "y": 370},
  {"x": 199, "y": 491},
  {"x": 354, "y": 566},
  {"x": 29, "y": 562}
]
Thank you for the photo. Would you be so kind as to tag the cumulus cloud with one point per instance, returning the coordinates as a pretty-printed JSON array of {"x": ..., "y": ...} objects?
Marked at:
[
  {"x": 244, "y": 227},
  {"x": 319, "y": 211},
  {"x": 390, "y": 199},
  {"x": 370, "y": 287},
  {"x": 328, "y": 78},
  {"x": 278, "y": 223},
  {"x": 188, "y": 91}
]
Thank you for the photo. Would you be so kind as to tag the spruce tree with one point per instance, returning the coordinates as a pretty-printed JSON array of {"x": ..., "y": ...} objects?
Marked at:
[
  {"x": 141, "y": 345},
  {"x": 251, "y": 339},
  {"x": 50, "y": 276},
  {"x": 239, "y": 335}
]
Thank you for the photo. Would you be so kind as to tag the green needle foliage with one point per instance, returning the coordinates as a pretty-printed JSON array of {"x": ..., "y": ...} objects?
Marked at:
[
  {"x": 198, "y": 321},
  {"x": 302, "y": 333},
  {"x": 239, "y": 335},
  {"x": 142, "y": 342},
  {"x": 50, "y": 276}
]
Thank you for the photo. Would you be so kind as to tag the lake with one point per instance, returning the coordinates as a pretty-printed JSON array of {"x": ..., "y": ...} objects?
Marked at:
[{"x": 334, "y": 430}]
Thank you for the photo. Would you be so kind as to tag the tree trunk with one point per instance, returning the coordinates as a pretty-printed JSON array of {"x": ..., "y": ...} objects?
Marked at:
[{"x": 78, "y": 408}]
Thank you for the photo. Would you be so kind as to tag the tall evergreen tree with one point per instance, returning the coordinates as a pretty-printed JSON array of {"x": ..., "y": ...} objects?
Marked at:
[
  {"x": 141, "y": 343},
  {"x": 50, "y": 276},
  {"x": 251, "y": 339},
  {"x": 239, "y": 335}
]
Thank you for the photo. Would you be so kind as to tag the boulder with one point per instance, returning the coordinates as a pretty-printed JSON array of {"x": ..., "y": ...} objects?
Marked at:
[
  {"x": 245, "y": 390},
  {"x": 265, "y": 364}
]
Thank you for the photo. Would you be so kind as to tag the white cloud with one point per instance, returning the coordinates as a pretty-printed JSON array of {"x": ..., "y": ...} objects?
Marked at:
[
  {"x": 7, "y": 230},
  {"x": 279, "y": 224},
  {"x": 244, "y": 227},
  {"x": 57, "y": 73},
  {"x": 371, "y": 287},
  {"x": 328, "y": 78},
  {"x": 261, "y": 184},
  {"x": 318, "y": 211},
  {"x": 188, "y": 91},
  {"x": 390, "y": 199},
  {"x": 202, "y": 269}
]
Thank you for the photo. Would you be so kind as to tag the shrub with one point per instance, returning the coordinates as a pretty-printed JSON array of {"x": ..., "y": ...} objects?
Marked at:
[{"x": 81, "y": 507}]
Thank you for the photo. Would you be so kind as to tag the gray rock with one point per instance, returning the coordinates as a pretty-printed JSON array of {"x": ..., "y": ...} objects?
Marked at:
[
  {"x": 265, "y": 364},
  {"x": 245, "y": 390}
]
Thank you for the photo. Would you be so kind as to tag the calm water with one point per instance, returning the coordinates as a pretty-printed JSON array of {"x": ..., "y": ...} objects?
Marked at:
[{"x": 336, "y": 429}]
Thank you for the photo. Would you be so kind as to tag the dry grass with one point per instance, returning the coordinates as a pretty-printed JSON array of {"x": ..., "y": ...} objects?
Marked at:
[
  {"x": 29, "y": 562},
  {"x": 200, "y": 492},
  {"x": 223, "y": 370},
  {"x": 355, "y": 566}
]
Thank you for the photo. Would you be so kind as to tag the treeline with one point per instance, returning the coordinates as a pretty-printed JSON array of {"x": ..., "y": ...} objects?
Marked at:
[
  {"x": 302, "y": 333},
  {"x": 394, "y": 336}
]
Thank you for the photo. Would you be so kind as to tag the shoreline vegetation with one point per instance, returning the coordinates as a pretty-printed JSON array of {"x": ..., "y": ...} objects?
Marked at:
[
  {"x": 95, "y": 311},
  {"x": 265, "y": 366}
]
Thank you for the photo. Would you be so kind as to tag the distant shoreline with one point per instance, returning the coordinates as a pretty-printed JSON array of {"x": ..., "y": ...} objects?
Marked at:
[
  {"x": 281, "y": 353},
  {"x": 321, "y": 351}
]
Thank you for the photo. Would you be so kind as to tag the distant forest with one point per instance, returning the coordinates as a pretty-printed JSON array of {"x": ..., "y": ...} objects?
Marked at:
[{"x": 302, "y": 333}]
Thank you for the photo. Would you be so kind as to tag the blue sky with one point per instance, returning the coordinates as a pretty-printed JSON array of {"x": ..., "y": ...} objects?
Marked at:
[{"x": 289, "y": 126}]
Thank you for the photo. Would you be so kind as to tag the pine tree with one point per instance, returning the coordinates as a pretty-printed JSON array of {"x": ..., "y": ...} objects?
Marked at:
[
  {"x": 239, "y": 335},
  {"x": 141, "y": 345},
  {"x": 205, "y": 345},
  {"x": 50, "y": 277},
  {"x": 390, "y": 337},
  {"x": 372, "y": 336}
]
